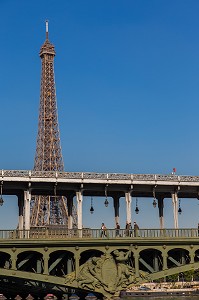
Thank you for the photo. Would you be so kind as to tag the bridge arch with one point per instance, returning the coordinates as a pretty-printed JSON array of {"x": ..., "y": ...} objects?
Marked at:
[
  {"x": 5, "y": 260},
  {"x": 154, "y": 247},
  {"x": 196, "y": 255},
  {"x": 177, "y": 257},
  {"x": 30, "y": 261},
  {"x": 151, "y": 260},
  {"x": 61, "y": 263},
  {"x": 85, "y": 255}
]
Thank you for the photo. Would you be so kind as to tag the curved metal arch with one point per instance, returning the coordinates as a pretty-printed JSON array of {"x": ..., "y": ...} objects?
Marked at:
[
  {"x": 28, "y": 261},
  {"x": 163, "y": 250},
  {"x": 33, "y": 276},
  {"x": 5, "y": 260},
  {"x": 169, "y": 248},
  {"x": 5, "y": 252},
  {"x": 61, "y": 280},
  {"x": 23, "y": 250},
  {"x": 92, "y": 249},
  {"x": 52, "y": 251},
  {"x": 30, "y": 251},
  {"x": 172, "y": 271},
  {"x": 158, "y": 248}
]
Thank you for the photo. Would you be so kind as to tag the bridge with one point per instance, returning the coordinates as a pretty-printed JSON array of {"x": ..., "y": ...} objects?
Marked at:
[
  {"x": 23, "y": 184},
  {"x": 68, "y": 259}
]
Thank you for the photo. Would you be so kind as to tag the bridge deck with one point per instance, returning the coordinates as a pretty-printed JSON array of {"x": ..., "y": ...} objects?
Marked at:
[
  {"x": 61, "y": 233},
  {"x": 140, "y": 185}
]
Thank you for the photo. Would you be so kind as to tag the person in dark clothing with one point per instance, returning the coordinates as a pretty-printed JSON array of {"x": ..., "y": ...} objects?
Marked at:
[
  {"x": 198, "y": 229},
  {"x": 136, "y": 228},
  {"x": 127, "y": 229},
  {"x": 130, "y": 230},
  {"x": 117, "y": 230},
  {"x": 103, "y": 230}
]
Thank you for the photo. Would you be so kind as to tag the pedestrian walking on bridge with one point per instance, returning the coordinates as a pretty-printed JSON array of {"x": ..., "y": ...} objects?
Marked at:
[
  {"x": 136, "y": 228},
  {"x": 117, "y": 229},
  {"x": 103, "y": 230}
]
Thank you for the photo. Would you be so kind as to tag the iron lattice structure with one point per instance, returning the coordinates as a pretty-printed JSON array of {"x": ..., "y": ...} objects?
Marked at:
[{"x": 48, "y": 210}]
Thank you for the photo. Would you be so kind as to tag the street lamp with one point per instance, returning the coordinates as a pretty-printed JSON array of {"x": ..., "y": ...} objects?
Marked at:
[
  {"x": 106, "y": 202},
  {"x": 154, "y": 197},
  {"x": 154, "y": 203},
  {"x": 91, "y": 209},
  {"x": 136, "y": 207},
  {"x": 179, "y": 209},
  {"x": 106, "y": 198},
  {"x": 1, "y": 198}
]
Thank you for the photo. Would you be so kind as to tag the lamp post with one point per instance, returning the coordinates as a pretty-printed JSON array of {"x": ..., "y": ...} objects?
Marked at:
[
  {"x": 179, "y": 209},
  {"x": 91, "y": 209},
  {"x": 154, "y": 197},
  {"x": 136, "y": 207},
  {"x": 1, "y": 198},
  {"x": 106, "y": 203},
  {"x": 154, "y": 203}
]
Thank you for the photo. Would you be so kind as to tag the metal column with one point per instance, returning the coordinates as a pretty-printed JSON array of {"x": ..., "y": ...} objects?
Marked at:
[
  {"x": 128, "y": 206},
  {"x": 27, "y": 198},
  {"x": 70, "y": 211},
  {"x": 21, "y": 211},
  {"x": 79, "y": 209},
  {"x": 116, "y": 203},
  {"x": 175, "y": 208},
  {"x": 161, "y": 215}
]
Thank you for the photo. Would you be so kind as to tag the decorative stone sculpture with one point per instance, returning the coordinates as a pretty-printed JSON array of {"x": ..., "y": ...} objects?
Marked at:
[{"x": 107, "y": 274}]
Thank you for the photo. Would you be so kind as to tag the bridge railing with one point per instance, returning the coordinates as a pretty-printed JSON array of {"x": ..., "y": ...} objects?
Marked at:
[
  {"x": 168, "y": 233},
  {"x": 101, "y": 176},
  {"x": 87, "y": 233}
]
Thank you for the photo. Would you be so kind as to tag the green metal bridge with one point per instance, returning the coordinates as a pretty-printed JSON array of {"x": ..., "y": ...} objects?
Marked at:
[{"x": 67, "y": 260}]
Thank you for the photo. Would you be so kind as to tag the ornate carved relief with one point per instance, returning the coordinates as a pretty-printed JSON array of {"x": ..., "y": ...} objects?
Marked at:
[{"x": 107, "y": 274}]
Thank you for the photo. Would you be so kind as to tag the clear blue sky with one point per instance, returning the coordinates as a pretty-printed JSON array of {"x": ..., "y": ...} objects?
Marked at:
[{"x": 127, "y": 81}]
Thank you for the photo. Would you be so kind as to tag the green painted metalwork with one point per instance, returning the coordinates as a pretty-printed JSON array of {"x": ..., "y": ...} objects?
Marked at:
[
  {"x": 104, "y": 265},
  {"x": 56, "y": 233}
]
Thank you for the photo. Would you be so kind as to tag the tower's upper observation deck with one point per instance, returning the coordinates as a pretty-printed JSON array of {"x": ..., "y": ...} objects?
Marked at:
[{"x": 47, "y": 47}]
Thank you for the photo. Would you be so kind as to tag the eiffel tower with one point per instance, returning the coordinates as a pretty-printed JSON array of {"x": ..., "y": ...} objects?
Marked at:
[{"x": 48, "y": 210}]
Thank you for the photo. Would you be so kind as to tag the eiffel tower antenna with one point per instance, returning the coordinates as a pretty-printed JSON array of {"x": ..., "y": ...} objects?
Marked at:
[
  {"x": 48, "y": 210},
  {"x": 46, "y": 29}
]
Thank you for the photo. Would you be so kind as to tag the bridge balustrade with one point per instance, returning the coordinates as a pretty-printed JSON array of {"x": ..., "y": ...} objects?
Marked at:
[
  {"x": 101, "y": 176},
  {"x": 87, "y": 233}
]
